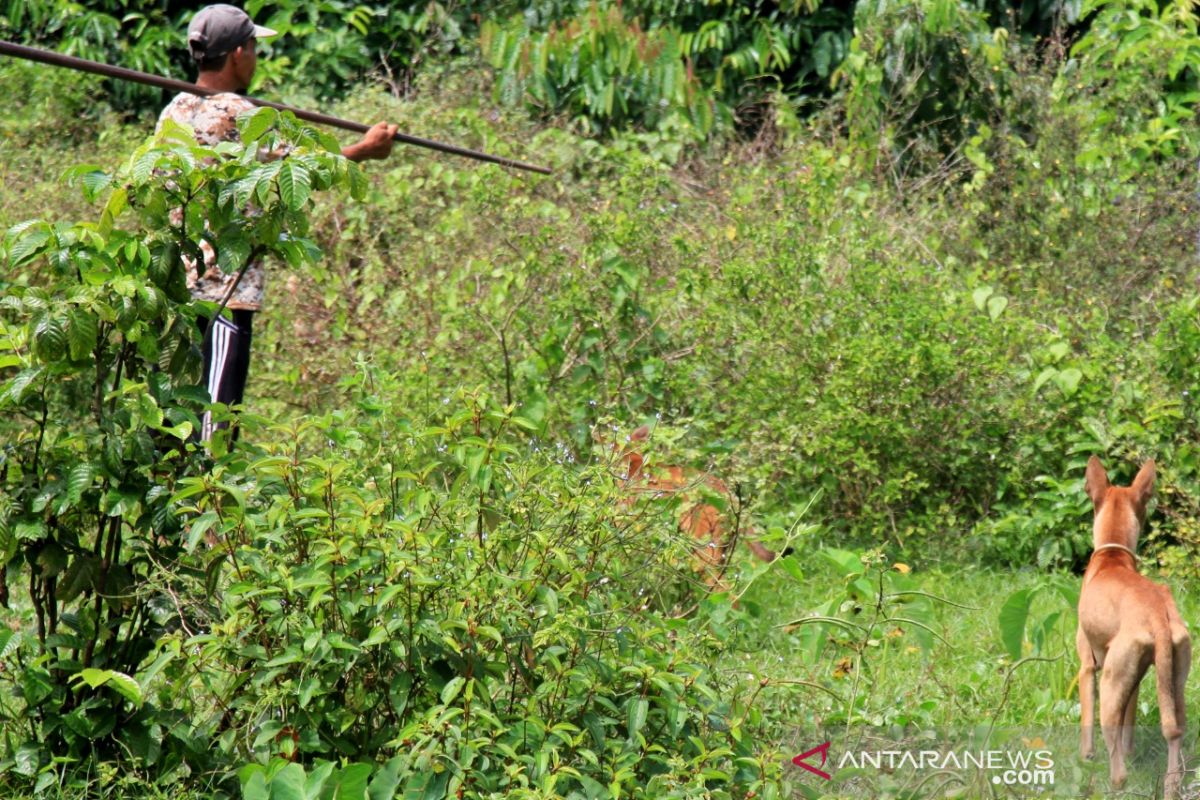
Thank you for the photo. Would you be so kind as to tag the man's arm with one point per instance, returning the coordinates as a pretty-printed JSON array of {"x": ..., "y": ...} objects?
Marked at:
[{"x": 376, "y": 143}]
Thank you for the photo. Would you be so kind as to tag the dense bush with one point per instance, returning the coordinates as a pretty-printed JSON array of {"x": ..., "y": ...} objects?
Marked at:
[
  {"x": 100, "y": 366},
  {"x": 502, "y": 620}
]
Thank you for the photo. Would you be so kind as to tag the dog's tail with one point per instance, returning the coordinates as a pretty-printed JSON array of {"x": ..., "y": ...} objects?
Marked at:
[{"x": 1164, "y": 668}]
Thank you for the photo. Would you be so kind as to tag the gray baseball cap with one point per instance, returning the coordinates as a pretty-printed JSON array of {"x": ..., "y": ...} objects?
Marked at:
[{"x": 220, "y": 29}]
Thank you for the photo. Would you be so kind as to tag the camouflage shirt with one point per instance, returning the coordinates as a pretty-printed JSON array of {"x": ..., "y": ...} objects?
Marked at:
[{"x": 214, "y": 119}]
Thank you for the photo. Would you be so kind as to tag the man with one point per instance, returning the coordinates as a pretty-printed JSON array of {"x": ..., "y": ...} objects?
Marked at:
[{"x": 222, "y": 41}]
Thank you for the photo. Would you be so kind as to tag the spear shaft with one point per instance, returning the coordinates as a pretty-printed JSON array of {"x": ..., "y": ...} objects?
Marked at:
[{"x": 122, "y": 73}]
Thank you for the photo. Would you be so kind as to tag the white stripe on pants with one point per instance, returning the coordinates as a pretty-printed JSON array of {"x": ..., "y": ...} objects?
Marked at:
[{"x": 222, "y": 334}]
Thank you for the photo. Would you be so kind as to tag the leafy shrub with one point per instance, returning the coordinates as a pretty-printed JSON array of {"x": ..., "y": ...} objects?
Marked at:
[
  {"x": 148, "y": 37},
  {"x": 501, "y": 621},
  {"x": 1135, "y": 75},
  {"x": 101, "y": 364},
  {"x": 602, "y": 70},
  {"x": 920, "y": 78},
  {"x": 647, "y": 64}
]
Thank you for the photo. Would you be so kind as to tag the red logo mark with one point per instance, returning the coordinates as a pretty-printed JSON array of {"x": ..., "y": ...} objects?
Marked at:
[{"x": 823, "y": 749}]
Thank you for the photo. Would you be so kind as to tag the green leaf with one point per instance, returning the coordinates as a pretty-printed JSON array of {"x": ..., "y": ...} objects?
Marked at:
[
  {"x": 792, "y": 568},
  {"x": 30, "y": 530},
  {"x": 81, "y": 575},
  {"x": 635, "y": 711},
  {"x": 118, "y": 201},
  {"x": 315, "y": 782},
  {"x": 28, "y": 758},
  {"x": 50, "y": 338},
  {"x": 36, "y": 686},
  {"x": 233, "y": 249},
  {"x": 264, "y": 179},
  {"x": 255, "y": 787},
  {"x": 996, "y": 305},
  {"x": 82, "y": 332},
  {"x": 79, "y": 480},
  {"x": 352, "y": 782},
  {"x": 1013, "y": 615},
  {"x": 52, "y": 559},
  {"x": 199, "y": 527},
  {"x": 8, "y": 540},
  {"x": 358, "y": 181},
  {"x": 95, "y": 182},
  {"x": 93, "y": 178},
  {"x": 15, "y": 390},
  {"x": 28, "y": 245},
  {"x": 980, "y": 296},
  {"x": 118, "y": 502},
  {"x": 148, "y": 411},
  {"x": 451, "y": 690},
  {"x": 435, "y": 789},
  {"x": 124, "y": 685},
  {"x": 143, "y": 166},
  {"x": 1043, "y": 376},
  {"x": 295, "y": 184},
  {"x": 846, "y": 562},
  {"x": 1068, "y": 380},
  {"x": 255, "y": 124},
  {"x": 288, "y": 783},
  {"x": 387, "y": 779}
]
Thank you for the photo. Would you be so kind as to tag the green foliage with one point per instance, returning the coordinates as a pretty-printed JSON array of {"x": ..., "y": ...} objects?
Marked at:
[
  {"x": 500, "y": 621},
  {"x": 920, "y": 78},
  {"x": 351, "y": 587},
  {"x": 148, "y": 37},
  {"x": 870, "y": 613},
  {"x": 333, "y": 43},
  {"x": 101, "y": 365},
  {"x": 651, "y": 64},
  {"x": 1024, "y": 632},
  {"x": 1135, "y": 77},
  {"x": 602, "y": 70},
  {"x": 336, "y": 42},
  {"x": 283, "y": 780}
]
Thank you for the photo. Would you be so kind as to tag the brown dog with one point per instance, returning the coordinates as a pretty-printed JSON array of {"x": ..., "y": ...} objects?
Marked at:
[
  {"x": 1127, "y": 623},
  {"x": 714, "y": 539}
]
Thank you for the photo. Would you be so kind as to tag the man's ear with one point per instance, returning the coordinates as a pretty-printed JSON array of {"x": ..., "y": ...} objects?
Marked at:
[
  {"x": 1097, "y": 481},
  {"x": 1143, "y": 484}
]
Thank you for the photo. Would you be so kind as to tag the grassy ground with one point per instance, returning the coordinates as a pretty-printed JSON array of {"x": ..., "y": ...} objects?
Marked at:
[{"x": 965, "y": 681}]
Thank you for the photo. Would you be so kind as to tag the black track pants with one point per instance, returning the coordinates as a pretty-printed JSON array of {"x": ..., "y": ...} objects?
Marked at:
[{"x": 226, "y": 363}]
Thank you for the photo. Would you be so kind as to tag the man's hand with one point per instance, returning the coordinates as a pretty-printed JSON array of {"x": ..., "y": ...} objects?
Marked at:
[{"x": 376, "y": 143}]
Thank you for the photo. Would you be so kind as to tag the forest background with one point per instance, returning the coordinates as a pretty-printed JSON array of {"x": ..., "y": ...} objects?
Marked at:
[{"x": 892, "y": 270}]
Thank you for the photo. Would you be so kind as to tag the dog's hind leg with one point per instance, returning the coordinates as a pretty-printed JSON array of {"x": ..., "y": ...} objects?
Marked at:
[
  {"x": 1130, "y": 718},
  {"x": 1087, "y": 696},
  {"x": 1122, "y": 670},
  {"x": 1182, "y": 662}
]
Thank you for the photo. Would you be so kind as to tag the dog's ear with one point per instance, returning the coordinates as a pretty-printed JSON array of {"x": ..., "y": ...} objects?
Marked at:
[
  {"x": 1097, "y": 481},
  {"x": 640, "y": 434},
  {"x": 1143, "y": 484}
]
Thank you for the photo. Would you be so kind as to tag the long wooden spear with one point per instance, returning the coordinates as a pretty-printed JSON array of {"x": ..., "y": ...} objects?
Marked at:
[{"x": 82, "y": 64}]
